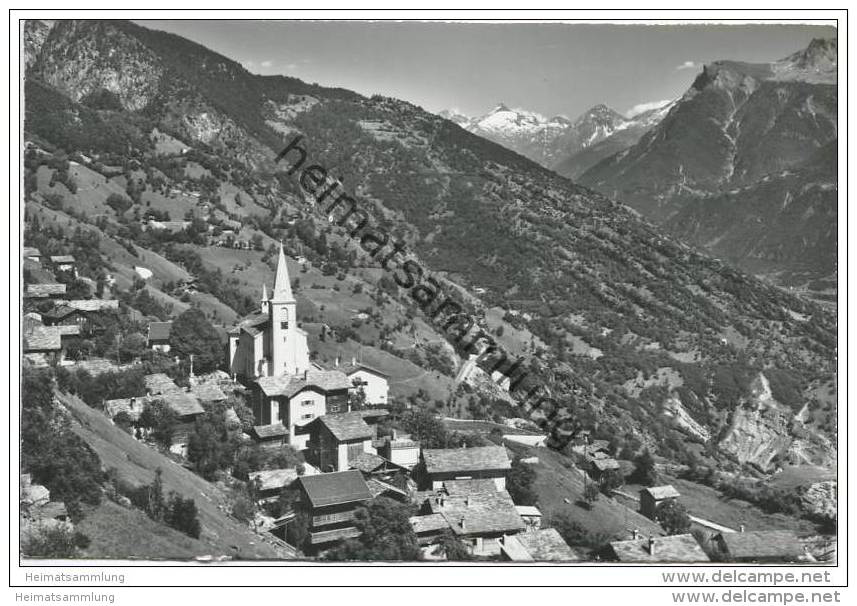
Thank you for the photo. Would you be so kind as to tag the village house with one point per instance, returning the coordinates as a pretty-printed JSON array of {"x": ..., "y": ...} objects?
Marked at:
[
  {"x": 42, "y": 346},
  {"x": 269, "y": 483},
  {"x": 45, "y": 291},
  {"x": 485, "y": 462},
  {"x": 332, "y": 499},
  {"x": 651, "y": 497},
  {"x": 373, "y": 381},
  {"x": 383, "y": 476},
  {"x": 207, "y": 391},
  {"x": 133, "y": 407},
  {"x": 682, "y": 548},
  {"x": 271, "y": 436},
  {"x": 544, "y": 545},
  {"x": 337, "y": 439},
  {"x": 31, "y": 254},
  {"x": 64, "y": 315},
  {"x": 158, "y": 338},
  {"x": 183, "y": 403},
  {"x": 295, "y": 400},
  {"x": 76, "y": 312},
  {"x": 64, "y": 263},
  {"x": 761, "y": 546},
  {"x": 399, "y": 448},
  {"x": 475, "y": 511}
]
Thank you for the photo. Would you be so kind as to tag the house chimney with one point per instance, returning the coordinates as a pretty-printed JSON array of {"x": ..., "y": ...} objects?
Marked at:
[
  {"x": 467, "y": 501},
  {"x": 651, "y": 546},
  {"x": 306, "y": 374},
  {"x": 131, "y": 403},
  {"x": 462, "y": 524},
  {"x": 741, "y": 528},
  {"x": 635, "y": 533},
  {"x": 353, "y": 361}
]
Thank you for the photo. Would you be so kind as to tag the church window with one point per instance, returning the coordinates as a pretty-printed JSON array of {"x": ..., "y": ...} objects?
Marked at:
[{"x": 284, "y": 319}]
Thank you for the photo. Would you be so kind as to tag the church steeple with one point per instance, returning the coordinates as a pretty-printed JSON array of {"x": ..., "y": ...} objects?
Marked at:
[{"x": 282, "y": 284}]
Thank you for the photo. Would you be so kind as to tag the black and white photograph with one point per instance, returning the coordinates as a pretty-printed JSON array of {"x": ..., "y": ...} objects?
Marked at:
[{"x": 431, "y": 294}]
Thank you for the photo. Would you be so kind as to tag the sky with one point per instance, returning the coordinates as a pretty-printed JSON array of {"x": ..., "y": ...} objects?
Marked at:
[{"x": 553, "y": 68}]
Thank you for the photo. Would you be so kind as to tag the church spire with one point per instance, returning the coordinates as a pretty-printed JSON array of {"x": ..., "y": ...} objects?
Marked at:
[
  {"x": 282, "y": 285},
  {"x": 266, "y": 304}
]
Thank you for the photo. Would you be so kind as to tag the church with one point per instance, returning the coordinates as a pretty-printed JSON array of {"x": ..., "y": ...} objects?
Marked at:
[{"x": 269, "y": 354}]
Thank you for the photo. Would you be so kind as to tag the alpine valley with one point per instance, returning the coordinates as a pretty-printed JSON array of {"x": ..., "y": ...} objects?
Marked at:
[{"x": 621, "y": 288}]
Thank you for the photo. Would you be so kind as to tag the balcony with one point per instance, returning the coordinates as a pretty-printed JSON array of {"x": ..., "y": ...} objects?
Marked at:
[{"x": 338, "y": 534}]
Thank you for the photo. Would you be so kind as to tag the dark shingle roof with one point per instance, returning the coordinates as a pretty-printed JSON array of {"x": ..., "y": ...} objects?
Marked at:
[
  {"x": 677, "y": 548},
  {"x": 350, "y": 369},
  {"x": 347, "y": 426},
  {"x": 88, "y": 305},
  {"x": 208, "y": 392},
  {"x": 39, "y": 291},
  {"x": 661, "y": 492},
  {"x": 433, "y": 522},
  {"x": 466, "y": 459},
  {"x": 335, "y": 488},
  {"x": 271, "y": 479},
  {"x": 43, "y": 338},
  {"x": 467, "y": 487},
  {"x": 546, "y": 545},
  {"x": 275, "y": 430},
  {"x": 763, "y": 544},
  {"x": 252, "y": 324},
  {"x": 159, "y": 383},
  {"x": 182, "y": 403},
  {"x": 290, "y": 385},
  {"x": 59, "y": 313},
  {"x": 160, "y": 331},
  {"x": 366, "y": 462},
  {"x": 605, "y": 464}
]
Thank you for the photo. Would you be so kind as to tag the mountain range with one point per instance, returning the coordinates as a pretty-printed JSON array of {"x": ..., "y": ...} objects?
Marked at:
[
  {"x": 569, "y": 147},
  {"x": 745, "y": 166},
  {"x": 645, "y": 340}
]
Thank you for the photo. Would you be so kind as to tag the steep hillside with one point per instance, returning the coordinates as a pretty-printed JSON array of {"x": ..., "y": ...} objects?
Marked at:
[
  {"x": 136, "y": 463},
  {"x": 744, "y": 163},
  {"x": 623, "y": 321}
]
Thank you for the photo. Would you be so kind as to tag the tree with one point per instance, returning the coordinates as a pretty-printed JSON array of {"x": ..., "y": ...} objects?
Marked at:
[
  {"x": 132, "y": 346},
  {"x": 161, "y": 420},
  {"x": 644, "y": 469},
  {"x": 357, "y": 398},
  {"x": 452, "y": 548},
  {"x": 386, "y": 534},
  {"x": 591, "y": 493},
  {"x": 673, "y": 517},
  {"x": 427, "y": 429},
  {"x": 212, "y": 445},
  {"x": 519, "y": 483},
  {"x": 193, "y": 334},
  {"x": 182, "y": 515},
  {"x": 52, "y": 541}
]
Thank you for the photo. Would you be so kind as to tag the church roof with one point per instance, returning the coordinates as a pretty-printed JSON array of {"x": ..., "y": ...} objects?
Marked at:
[
  {"x": 289, "y": 385},
  {"x": 253, "y": 323},
  {"x": 282, "y": 284}
]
